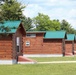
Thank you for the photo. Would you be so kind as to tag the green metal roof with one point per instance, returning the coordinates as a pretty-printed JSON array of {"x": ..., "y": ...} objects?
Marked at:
[
  {"x": 11, "y": 31},
  {"x": 55, "y": 34},
  {"x": 70, "y": 37},
  {"x": 13, "y": 25}
]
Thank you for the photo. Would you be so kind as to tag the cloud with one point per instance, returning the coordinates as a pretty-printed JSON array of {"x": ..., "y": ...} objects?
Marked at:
[
  {"x": 72, "y": 13},
  {"x": 73, "y": 22},
  {"x": 56, "y": 9},
  {"x": 32, "y": 10}
]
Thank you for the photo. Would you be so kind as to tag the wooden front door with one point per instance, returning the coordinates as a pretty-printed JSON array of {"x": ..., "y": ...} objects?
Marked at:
[{"x": 19, "y": 45}]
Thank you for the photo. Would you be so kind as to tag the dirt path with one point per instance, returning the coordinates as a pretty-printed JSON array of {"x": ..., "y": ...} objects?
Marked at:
[{"x": 55, "y": 62}]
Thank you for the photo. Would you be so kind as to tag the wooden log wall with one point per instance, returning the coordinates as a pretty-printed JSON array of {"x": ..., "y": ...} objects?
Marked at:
[
  {"x": 6, "y": 48},
  {"x": 38, "y": 45}
]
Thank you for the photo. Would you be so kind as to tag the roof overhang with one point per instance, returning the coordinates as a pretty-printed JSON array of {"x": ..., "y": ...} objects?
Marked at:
[
  {"x": 36, "y": 32},
  {"x": 53, "y": 38},
  {"x": 69, "y": 40}
]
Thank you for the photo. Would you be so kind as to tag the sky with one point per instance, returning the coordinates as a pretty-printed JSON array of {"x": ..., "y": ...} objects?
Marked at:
[{"x": 55, "y": 9}]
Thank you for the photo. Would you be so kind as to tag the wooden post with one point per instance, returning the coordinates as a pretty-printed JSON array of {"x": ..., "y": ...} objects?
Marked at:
[
  {"x": 14, "y": 47},
  {"x": 73, "y": 47},
  {"x": 63, "y": 47}
]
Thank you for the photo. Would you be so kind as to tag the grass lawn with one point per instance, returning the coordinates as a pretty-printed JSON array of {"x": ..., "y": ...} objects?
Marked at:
[
  {"x": 38, "y": 69},
  {"x": 47, "y": 59},
  {"x": 41, "y": 69}
]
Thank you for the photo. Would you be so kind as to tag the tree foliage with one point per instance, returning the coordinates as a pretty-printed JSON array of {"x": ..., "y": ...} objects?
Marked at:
[
  {"x": 67, "y": 27},
  {"x": 43, "y": 23},
  {"x": 27, "y": 22},
  {"x": 10, "y": 10},
  {"x": 56, "y": 25}
]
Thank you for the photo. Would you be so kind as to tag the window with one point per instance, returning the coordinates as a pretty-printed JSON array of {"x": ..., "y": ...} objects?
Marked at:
[
  {"x": 18, "y": 43},
  {"x": 27, "y": 43},
  {"x": 17, "y": 48},
  {"x": 30, "y": 35}
]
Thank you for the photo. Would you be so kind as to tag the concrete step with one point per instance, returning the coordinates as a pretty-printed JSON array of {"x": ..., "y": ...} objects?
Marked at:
[
  {"x": 75, "y": 52},
  {"x": 25, "y": 60},
  {"x": 68, "y": 54}
]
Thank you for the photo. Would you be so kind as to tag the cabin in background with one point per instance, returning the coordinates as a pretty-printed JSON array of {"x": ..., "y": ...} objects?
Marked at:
[
  {"x": 54, "y": 42},
  {"x": 33, "y": 42},
  {"x": 41, "y": 43},
  {"x": 69, "y": 44}
]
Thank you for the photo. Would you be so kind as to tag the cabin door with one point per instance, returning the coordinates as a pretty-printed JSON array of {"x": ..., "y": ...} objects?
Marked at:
[{"x": 18, "y": 46}]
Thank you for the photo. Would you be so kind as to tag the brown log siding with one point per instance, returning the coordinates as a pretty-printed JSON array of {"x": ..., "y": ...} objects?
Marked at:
[
  {"x": 68, "y": 46},
  {"x": 6, "y": 47},
  {"x": 38, "y": 45},
  {"x": 75, "y": 46}
]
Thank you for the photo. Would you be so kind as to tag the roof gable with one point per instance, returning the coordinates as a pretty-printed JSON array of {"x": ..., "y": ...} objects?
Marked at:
[
  {"x": 70, "y": 37},
  {"x": 55, "y": 35},
  {"x": 21, "y": 27},
  {"x": 13, "y": 25}
]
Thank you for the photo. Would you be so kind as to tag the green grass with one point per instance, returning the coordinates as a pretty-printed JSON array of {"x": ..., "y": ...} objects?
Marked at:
[
  {"x": 38, "y": 69},
  {"x": 47, "y": 59},
  {"x": 41, "y": 69}
]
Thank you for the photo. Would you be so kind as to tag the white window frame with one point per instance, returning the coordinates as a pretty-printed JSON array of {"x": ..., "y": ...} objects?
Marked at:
[
  {"x": 30, "y": 35},
  {"x": 18, "y": 41},
  {"x": 27, "y": 43}
]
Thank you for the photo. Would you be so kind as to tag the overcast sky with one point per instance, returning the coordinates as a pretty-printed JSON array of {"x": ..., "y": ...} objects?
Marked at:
[{"x": 55, "y": 9}]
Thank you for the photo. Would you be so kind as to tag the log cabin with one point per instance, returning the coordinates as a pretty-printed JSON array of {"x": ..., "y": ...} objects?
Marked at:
[
  {"x": 18, "y": 42},
  {"x": 11, "y": 42},
  {"x": 69, "y": 44},
  {"x": 44, "y": 43}
]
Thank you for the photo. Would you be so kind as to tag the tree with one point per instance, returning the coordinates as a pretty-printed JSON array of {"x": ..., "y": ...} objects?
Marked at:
[
  {"x": 56, "y": 25},
  {"x": 67, "y": 27},
  {"x": 11, "y": 10},
  {"x": 43, "y": 23},
  {"x": 1, "y": 2},
  {"x": 27, "y": 22},
  {"x": 1, "y": 18}
]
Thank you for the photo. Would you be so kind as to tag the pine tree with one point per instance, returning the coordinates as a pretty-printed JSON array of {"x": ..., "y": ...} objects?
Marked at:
[{"x": 10, "y": 10}]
